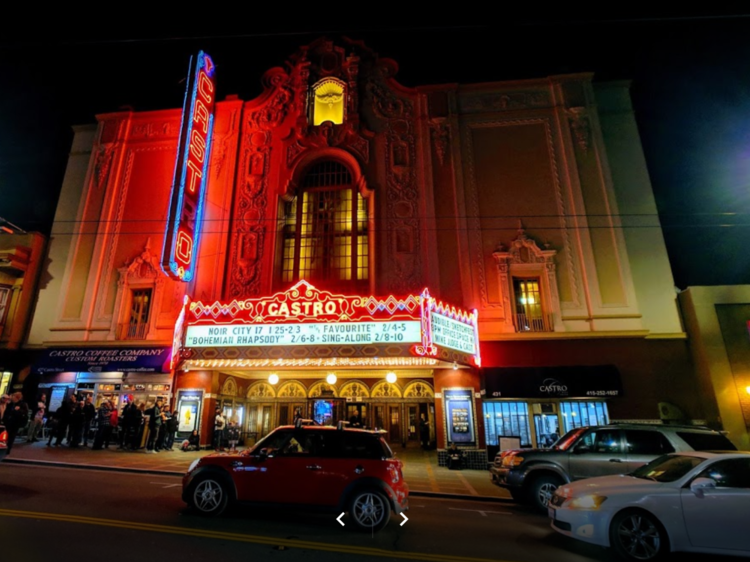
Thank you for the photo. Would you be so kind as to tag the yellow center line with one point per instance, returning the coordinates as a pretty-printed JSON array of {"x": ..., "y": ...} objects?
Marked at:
[
  {"x": 431, "y": 476},
  {"x": 290, "y": 543}
]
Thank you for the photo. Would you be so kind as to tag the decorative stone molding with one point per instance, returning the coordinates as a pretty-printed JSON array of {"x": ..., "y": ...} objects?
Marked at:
[
  {"x": 354, "y": 389},
  {"x": 292, "y": 389},
  {"x": 419, "y": 389},
  {"x": 525, "y": 259},
  {"x": 384, "y": 389},
  {"x": 580, "y": 127},
  {"x": 441, "y": 134},
  {"x": 229, "y": 388},
  {"x": 260, "y": 390},
  {"x": 504, "y": 101},
  {"x": 321, "y": 387}
]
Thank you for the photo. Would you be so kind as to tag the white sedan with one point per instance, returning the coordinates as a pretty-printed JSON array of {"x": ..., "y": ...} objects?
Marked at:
[{"x": 689, "y": 502}]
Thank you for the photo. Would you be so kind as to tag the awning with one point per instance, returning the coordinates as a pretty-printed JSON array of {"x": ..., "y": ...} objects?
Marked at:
[
  {"x": 103, "y": 359},
  {"x": 581, "y": 381}
]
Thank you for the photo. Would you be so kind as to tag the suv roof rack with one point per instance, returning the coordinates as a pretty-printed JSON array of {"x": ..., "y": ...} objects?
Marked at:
[{"x": 299, "y": 422}]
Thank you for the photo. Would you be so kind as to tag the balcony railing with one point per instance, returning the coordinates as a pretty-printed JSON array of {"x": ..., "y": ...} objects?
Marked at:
[
  {"x": 537, "y": 323},
  {"x": 129, "y": 331}
]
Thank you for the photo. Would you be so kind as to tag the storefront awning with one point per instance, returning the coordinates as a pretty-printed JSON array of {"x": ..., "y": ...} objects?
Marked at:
[
  {"x": 581, "y": 381},
  {"x": 102, "y": 360}
]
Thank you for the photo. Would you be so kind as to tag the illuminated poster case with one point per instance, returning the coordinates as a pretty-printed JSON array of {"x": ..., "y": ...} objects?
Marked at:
[{"x": 459, "y": 416}]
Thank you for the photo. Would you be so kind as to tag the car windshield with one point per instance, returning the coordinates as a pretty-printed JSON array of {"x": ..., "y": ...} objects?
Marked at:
[
  {"x": 667, "y": 468},
  {"x": 567, "y": 440}
]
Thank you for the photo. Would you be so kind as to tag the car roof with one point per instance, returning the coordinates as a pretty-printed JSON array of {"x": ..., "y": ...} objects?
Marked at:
[
  {"x": 712, "y": 454},
  {"x": 331, "y": 428},
  {"x": 659, "y": 426}
]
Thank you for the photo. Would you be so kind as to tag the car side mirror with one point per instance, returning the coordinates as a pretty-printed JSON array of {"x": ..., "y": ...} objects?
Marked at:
[{"x": 701, "y": 485}]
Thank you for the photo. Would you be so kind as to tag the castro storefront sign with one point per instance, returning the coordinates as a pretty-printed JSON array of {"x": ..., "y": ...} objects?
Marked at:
[{"x": 581, "y": 381}]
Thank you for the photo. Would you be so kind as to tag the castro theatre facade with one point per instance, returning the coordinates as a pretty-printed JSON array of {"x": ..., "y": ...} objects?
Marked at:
[{"x": 346, "y": 246}]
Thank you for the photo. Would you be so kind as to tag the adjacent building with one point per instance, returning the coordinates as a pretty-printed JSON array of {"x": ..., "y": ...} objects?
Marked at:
[{"x": 506, "y": 232}]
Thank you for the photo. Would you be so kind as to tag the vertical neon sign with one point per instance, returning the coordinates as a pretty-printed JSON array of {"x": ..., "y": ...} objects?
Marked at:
[{"x": 191, "y": 171}]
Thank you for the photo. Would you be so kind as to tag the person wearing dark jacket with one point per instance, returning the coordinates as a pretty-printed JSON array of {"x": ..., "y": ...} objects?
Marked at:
[
  {"x": 89, "y": 413},
  {"x": 126, "y": 424},
  {"x": 138, "y": 427},
  {"x": 63, "y": 419},
  {"x": 192, "y": 443},
  {"x": 154, "y": 427},
  {"x": 172, "y": 424},
  {"x": 77, "y": 421},
  {"x": 104, "y": 429},
  {"x": 16, "y": 417}
]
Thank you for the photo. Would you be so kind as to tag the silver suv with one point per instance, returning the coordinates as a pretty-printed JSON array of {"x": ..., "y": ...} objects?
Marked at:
[{"x": 532, "y": 475}]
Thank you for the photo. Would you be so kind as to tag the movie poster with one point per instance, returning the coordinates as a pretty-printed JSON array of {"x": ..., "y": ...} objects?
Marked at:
[{"x": 459, "y": 413}]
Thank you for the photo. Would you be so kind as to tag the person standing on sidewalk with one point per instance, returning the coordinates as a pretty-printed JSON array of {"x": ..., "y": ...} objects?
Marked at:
[
  {"x": 16, "y": 417},
  {"x": 89, "y": 413},
  {"x": 37, "y": 422},
  {"x": 104, "y": 429},
  {"x": 172, "y": 424},
  {"x": 75, "y": 434},
  {"x": 219, "y": 424},
  {"x": 154, "y": 427}
]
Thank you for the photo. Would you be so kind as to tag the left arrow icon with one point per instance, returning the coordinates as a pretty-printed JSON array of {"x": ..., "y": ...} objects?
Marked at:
[{"x": 339, "y": 518}]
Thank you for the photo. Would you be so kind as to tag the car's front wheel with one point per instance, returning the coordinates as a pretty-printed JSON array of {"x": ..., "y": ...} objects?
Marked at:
[
  {"x": 369, "y": 510},
  {"x": 542, "y": 488},
  {"x": 637, "y": 535},
  {"x": 209, "y": 495}
]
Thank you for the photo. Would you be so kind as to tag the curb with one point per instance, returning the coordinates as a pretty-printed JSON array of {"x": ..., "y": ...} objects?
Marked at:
[{"x": 412, "y": 493}]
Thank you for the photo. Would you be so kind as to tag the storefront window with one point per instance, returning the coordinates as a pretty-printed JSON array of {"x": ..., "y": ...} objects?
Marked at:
[
  {"x": 581, "y": 414},
  {"x": 506, "y": 419}
]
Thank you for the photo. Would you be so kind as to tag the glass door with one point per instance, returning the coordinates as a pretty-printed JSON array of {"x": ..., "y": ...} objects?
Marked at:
[{"x": 547, "y": 429}]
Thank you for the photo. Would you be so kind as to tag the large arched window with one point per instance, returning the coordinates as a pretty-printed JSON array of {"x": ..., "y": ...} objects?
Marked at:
[{"x": 325, "y": 231}]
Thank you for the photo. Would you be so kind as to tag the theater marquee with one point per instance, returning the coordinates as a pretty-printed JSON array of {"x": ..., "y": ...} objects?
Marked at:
[{"x": 305, "y": 326}]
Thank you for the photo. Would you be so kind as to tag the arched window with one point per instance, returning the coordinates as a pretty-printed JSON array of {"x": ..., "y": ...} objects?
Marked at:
[
  {"x": 325, "y": 231},
  {"x": 327, "y": 101}
]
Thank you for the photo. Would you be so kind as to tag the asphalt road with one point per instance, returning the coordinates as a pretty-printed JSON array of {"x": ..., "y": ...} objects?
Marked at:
[{"x": 72, "y": 514}]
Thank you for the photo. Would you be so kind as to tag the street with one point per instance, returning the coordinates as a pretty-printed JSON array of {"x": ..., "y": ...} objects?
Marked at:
[{"x": 51, "y": 512}]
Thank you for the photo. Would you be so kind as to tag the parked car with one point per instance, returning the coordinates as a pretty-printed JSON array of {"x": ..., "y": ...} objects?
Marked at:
[
  {"x": 532, "y": 475},
  {"x": 690, "y": 502},
  {"x": 336, "y": 469},
  {"x": 3, "y": 442}
]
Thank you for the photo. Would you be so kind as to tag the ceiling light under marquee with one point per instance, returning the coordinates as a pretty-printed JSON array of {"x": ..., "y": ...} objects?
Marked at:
[
  {"x": 391, "y": 377},
  {"x": 331, "y": 378},
  {"x": 273, "y": 378}
]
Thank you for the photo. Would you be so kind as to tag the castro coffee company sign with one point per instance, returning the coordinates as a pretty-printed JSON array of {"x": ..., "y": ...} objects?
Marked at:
[
  {"x": 553, "y": 387},
  {"x": 581, "y": 381}
]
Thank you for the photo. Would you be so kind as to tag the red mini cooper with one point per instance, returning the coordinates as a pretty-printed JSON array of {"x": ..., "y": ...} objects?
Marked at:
[{"x": 305, "y": 467}]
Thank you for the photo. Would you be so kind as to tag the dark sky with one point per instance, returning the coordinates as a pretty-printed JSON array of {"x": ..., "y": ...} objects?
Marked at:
[{"x": 690, "y": 77}]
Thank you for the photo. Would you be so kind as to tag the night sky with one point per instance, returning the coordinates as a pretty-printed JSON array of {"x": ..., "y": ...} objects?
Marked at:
[{"x": 690, "y": 86}]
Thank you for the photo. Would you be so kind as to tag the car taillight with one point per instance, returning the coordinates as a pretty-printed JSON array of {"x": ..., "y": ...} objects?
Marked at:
[{"x": 3, "y": 439}]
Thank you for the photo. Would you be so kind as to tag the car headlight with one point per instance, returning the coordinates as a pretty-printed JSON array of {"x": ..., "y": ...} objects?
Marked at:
[
  {"x": 512, "y": 460},
  {"x": 193, "y": 465},
  {"x": 587, "y": 502}
]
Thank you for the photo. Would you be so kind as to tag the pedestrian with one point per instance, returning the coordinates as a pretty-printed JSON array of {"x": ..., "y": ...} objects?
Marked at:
[
  {"x": 154, "y": 427},
  {"x": 139, "y": 425},
  {"x": 220, "y": 423},
  {"x": 16, "y": 416},
  {"x": 89, "y": 414},
  {"x": 37, "y": 421},
  {"x": 455, "y": 457},
  {"x": 77, "y": 420},
  {"x": 355, "y": 420},
  {"x": 126, "y": 425},
  {"x": 233, "y": 436},
  {"x": 114, "y": 425},
  {"x": 192, "y": 443},
  {"x": 424, "y": 432},
  {"x": 63, "y": 418},
  {"x": 161, "y": 437},
  {"x": 172, "y": 424},
  {"x": 103, "y": 429}
]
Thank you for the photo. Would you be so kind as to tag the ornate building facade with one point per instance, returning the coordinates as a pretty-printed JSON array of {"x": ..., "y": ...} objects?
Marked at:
[{"x": 526, "y": 202}]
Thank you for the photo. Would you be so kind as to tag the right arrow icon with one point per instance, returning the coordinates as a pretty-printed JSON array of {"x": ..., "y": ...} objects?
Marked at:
[{"x": 405, "y": 519}]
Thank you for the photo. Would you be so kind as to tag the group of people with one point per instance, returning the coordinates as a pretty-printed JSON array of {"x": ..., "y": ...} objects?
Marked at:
[
  {"x": 77, "y": 421},
  {"x": 225, "y": 432},
  {"x": 14, "y": 415}
]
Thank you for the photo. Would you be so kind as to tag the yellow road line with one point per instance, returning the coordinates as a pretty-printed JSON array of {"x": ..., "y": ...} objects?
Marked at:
[
  {"x": 290, "y": 543},
  {"x": 431, "y": 476}
]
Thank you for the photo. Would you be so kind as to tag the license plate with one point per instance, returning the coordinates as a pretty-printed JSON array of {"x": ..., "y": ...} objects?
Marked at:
[{"x": 551, "y": 512}]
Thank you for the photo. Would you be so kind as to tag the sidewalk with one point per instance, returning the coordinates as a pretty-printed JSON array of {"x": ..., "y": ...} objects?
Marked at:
[{"x": 421, "y": 469}]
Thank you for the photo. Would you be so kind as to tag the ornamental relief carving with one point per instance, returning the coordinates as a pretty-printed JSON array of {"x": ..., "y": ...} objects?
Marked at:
[
  {"x": 580, "y": 127},
  {"x": 292, "y": 389},
  {"x": 386, "y": 104},
  {"x": 321, "y": 388},
  {"x": 504, "y": 102},
  {"x": 384, "y": 389},
  {"x": 440, "y": 134},
  {"x": 260, "y": 390},
  {"x": 148, "y": 130},
  {"x": 419, "y": 389},
  {"x": 354, "y": 389},
  {"x": 230, "y": 387}
]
